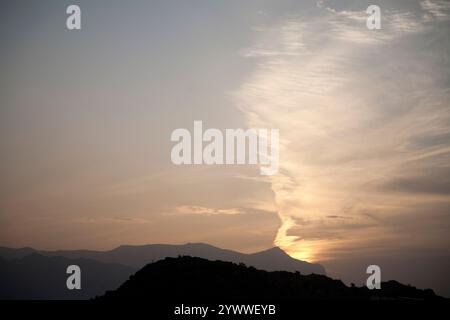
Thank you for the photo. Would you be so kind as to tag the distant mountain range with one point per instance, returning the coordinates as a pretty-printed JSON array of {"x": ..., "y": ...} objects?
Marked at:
[
  {"x": 273, "y": 259},
  {"x": 27, "y": 273},
  {"x": 189, "y": 279},
  {"x": 40, "y": 277},
  {"x": 193, "y": 271}
]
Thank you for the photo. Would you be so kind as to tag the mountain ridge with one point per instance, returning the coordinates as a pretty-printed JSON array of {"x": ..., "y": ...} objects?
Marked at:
[
  {"x": 193, "y": 279},
  {"x": 137, "y": 256},
  {"x": 35, "y": 276}
]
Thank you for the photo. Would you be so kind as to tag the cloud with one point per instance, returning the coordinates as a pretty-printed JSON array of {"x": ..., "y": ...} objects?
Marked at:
[
  {"x": 362, "y": 115},
  {"x": 199, "y": 210},
  {"x": 436, "y": 9}
]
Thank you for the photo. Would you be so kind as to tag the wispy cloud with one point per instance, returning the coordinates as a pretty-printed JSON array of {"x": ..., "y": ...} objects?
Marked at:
[
  {"x": 360, "y": 113},
  {"x": 436, "y": 9},
  {"x": 192, "y": 209}
]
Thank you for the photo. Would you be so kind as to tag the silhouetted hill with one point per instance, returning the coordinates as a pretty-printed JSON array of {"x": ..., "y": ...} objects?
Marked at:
[
  {"x": 273, "y": 259},
  {"x": 186, "y": 279},
  {"x": 39, "y": 277}
]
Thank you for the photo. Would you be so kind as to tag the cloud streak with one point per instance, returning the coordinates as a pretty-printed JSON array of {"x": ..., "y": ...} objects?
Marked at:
[{"x": 188, "y": 209}]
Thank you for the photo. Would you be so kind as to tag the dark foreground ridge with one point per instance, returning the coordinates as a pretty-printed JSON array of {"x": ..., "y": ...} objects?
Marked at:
[{"x": 195, "y": 279}]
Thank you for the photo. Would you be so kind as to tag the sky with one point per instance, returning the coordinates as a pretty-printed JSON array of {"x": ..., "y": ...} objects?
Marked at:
[{"x": 364, "y": 119}]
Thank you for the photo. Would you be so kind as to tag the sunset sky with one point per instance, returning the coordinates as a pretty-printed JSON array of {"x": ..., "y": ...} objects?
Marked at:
[{"x": 364, "y": 119}]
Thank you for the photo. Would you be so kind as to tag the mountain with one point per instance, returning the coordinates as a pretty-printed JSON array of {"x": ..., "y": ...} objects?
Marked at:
[
  {"x": 35, "y": 276},
  {"x": 184, "y": 279},
  {"x": 190, "y": 279},
  {"x": 273, "y": 259}
]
